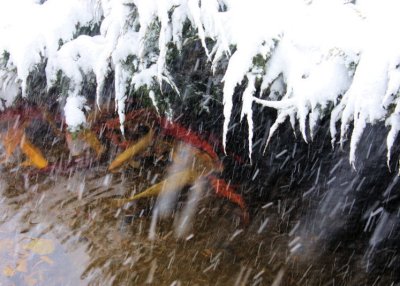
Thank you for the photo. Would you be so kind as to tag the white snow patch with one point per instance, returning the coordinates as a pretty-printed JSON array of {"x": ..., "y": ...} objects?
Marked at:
[
  {"x": 314, "y": 57},
  {"x": 74, "y": 115}
]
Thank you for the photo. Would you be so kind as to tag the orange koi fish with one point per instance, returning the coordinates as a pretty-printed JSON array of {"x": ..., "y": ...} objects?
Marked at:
[
  {"x": 33, "y": 154},
  {"x": 131, "y": 151},
  {"x": 174, "y": 182}
]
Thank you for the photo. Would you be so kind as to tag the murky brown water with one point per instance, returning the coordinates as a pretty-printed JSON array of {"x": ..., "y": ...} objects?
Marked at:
[
  {"x": 64, "y": 228},
  {"x": 96, "y": 243}
]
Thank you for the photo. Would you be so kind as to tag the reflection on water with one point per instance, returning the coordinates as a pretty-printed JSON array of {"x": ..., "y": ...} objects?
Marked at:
[{"x": 31, "y": 254}]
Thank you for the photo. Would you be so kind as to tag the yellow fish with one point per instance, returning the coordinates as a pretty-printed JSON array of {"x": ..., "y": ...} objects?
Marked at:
[
  {"x": 174, "y": 182},
  {"x": 133, "y": 150},
  {"x": 33, "y": 154},
  {"x": 91, "y": 138}
]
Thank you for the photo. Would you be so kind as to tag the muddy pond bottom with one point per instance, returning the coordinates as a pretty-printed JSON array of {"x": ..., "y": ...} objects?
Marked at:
[{"x": 65, "y": 230}]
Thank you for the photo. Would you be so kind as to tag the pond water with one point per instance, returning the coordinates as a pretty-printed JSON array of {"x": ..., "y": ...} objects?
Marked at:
[
  {"x": 62, "y": 226},
  {"x": 86, "y": 240}
]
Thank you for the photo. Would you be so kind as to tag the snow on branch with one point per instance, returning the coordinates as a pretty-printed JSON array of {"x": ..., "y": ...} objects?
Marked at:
[{"x": 311, "y": 59}]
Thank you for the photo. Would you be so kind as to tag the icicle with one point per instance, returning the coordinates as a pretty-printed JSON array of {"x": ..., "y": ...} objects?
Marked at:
[
  {"x": 347, "y": 116},
  {"x": 153, "y": 100},
  {"x": 146, "y": 12},
  {"x": 393, "y": 85},
  {"x": 120, "y": 96},
  {"x": 237, "y": 68},
  {"x": 195, "y": 11},
  {"x": 313, "y": 120},
  {"x": 335, "y": 116},
  {"x": 281, "y": 104},
  {"x": 163, "y": 39},
  {"x": 282, "y": 115},
  {"x": 359, "y": 126},
  {"x": 394, "y": 122},
  {"x": 292, "y": 121},
  {"x": 247, "y": 110},
  {"x": 302, "y": 113}
]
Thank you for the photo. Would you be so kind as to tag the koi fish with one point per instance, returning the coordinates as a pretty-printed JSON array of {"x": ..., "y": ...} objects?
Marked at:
[
  {"x": 91, "y": 138},
  {"x": 174, "y": 182},
  {"x": 222, "y": 189},
  {"x": 33, "y": 154},
  {"x": 181, "y": 133},
  {"x": 133, "y": 150}
]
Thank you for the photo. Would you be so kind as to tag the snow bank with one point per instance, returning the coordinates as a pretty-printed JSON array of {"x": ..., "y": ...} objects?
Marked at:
[{"x": 316, "y": 58}]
